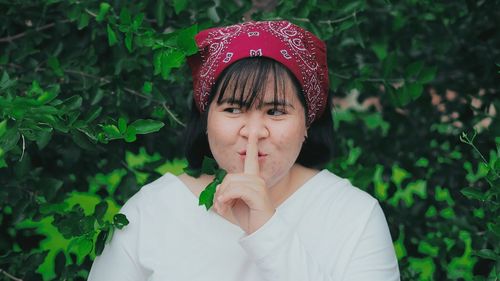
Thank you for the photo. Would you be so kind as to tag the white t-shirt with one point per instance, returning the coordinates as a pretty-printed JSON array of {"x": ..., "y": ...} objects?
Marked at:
[{"x": 326, "y": 230}]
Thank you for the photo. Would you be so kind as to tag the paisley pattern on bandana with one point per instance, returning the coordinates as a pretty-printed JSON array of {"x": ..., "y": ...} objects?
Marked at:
[{"x": 297, "y": 49}]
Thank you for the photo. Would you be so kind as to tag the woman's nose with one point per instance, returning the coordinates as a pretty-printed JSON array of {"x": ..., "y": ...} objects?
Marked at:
[{"x": 254, "y": 124}]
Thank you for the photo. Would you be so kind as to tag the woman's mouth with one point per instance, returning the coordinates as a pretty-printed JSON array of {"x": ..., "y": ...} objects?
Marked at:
[{"x": 243, "y": 154}]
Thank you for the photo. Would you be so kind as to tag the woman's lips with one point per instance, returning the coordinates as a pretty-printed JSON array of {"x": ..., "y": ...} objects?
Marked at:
[
  {"x": 244, "y": 152},
  {"x": 262, "y": 156}
]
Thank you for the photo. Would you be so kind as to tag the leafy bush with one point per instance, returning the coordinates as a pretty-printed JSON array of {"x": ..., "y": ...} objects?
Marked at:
[{"x": 94, "y": 97}]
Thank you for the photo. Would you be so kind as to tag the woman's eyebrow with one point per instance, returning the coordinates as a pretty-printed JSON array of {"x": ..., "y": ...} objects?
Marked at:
[{"x": 283, "y": 103}]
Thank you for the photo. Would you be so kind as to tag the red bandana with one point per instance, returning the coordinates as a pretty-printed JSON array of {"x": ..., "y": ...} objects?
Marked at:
[{"x": 297, "y": 49}]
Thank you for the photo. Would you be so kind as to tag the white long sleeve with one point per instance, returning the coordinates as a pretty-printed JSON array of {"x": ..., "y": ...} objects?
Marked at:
[
  {"x": 280, "y": 254},
  {"x": 119, "y": 260},
  {"x": 327, "y": 230}
]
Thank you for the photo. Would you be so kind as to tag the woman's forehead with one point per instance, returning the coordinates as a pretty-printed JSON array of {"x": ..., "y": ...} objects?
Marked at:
[{"x": 275, "y": 90}]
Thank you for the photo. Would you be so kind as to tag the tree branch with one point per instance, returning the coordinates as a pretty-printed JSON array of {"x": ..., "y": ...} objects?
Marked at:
[
  {"x": 128, "y": 90},
  {"x": 328, "y": 21},
  {"x": 133, "y": 92},
  {"x": 172, "y": 115},
  {"x": 10, "y": 276},
  {"x": 22, "y": 34}
]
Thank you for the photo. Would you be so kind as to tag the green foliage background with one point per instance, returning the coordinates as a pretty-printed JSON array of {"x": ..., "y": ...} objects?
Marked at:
[{"x": 94, "y": 97}]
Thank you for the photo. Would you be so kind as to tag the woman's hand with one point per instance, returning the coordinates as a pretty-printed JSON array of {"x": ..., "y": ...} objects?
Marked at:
[{"x": 245, "y": 196}]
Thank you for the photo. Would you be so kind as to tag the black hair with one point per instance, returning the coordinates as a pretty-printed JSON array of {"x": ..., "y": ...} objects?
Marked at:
[{"x": 245, "y": 80}]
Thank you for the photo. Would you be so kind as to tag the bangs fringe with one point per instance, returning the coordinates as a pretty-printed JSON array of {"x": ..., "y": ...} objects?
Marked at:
[{"x": 245, "y": 81}]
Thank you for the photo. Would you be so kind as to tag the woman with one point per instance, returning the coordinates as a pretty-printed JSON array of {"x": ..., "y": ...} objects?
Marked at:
[{"x": 262, "y": 112}]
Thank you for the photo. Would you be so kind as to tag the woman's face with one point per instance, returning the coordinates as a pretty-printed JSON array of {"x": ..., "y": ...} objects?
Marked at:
[{"x": 280, "y": 132}]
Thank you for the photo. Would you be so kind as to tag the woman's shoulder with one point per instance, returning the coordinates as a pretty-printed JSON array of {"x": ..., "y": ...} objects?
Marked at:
[
  {"x": 342, "y": 191},
  {"x": 153, "y": 192}
]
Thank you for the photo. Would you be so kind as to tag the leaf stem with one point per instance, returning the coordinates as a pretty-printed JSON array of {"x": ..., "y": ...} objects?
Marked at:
[
  {"x": 24, "y": 148},
  {"x": 465, "y": 139},
  {"x": 22, "y": 34},
  {"x": 90, "y": 13},
  {"x": 12, "y": 277},
  {"x": 172, "y": 115}
]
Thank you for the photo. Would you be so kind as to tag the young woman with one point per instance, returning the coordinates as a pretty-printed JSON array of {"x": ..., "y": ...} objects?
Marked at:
[{"x": 262, "y": 111}]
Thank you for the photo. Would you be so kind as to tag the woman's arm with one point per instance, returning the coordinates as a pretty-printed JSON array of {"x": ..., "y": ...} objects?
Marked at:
[
  {"x": 279, "y": 253},
  {"x": 118, "y": 261},
  {"x": 374, "y": 257}
]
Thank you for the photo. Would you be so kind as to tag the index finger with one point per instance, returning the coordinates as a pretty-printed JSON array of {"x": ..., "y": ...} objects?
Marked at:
[{"x": 252, "y": 157}]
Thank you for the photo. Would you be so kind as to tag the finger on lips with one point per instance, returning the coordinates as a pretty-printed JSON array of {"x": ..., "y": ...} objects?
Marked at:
[
  {"x": 252, "y": 157},
  {"x": 251, "y": 167}
]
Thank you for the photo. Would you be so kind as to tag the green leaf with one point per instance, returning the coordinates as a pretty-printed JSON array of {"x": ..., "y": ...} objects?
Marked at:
[
  {"x": 130, "y": 134},
  {"x": 172, "y": 58},
  {"x": 72, "y": 103},
  {"x": 111, "y": 36},
  {"x": 3, "y": 127},
  {"x": 192, "y": 172},
  {"x": 120, "y": 220},
  {"x": 103, "y": 11},
  {"x": 84, "y": 21},
  {"x": 47, "y": 96},
  {"x": 82, "y": 140},
  {"x": 494, "y": 228},
  {"x": 487, "y": 254},
  {"x": 207, "y": 195},
  {"x": 110, "y": 234},
  {"x": 137, "y": 21},
  {"x": 186, "y": 42},
  {"x": 122, "y": 125},
  {"x": 94, "y": 113},
  {"x": 157, "y": 62},
  {"x": 60, "y": 263},
  {"x": 128, "y": 40},
  {"x": 5, "y": 79},
  {"x": 180, "y": 5},
  {"x": 43, "y": 139},
  {"x": 168, "y": 60},
  {"x": 10, "y": 139},
  {"x": 146, "y": 126},
  {"x": 403, "y": 96},
  {"x": 220, "y": 174},
  {"x": 125, "y": 18},
  {"x": 414, "y": 69},
  {"x": 100, "y": 210},
  {"x": 388, "y": 65},
  {"x": 3, "y": 164},
  {"x": 53, "y": 63},
  {"x": 427, "y": 75},
  {"x": 97, "y": 97},
  {"x": 100, "y": 241},
  {"x": 147, "y": 87},
  {"x": 112, "y": 131},
  {"x": 414, "y": 90},
  {"x": 209, "y": 166},
  {"x": 74, "y": 12},
  {"x": 82, "y": 246},
  {"x": 59, "y": 208},
  {"x": 472, "y": 193}
]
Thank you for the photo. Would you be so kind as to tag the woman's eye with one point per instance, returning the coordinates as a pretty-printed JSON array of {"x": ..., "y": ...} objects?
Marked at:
[
  {"x": 275, "y": 112},
  {"x": 233, "y": 110}
]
